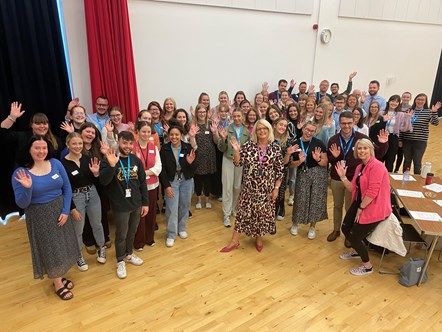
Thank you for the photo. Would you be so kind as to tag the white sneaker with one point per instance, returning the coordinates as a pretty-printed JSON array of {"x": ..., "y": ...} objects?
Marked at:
[
  {"x": 183, "y": 235},
  {"x": 198, "y": 206},
  {"x": 294, "y": 230},
  {"x": 134, "y": 259},
  {"x": 208, "y": 205},
  {"x": 291, "y": 200},
  {"x": 101, "y": 255},
  {"x": 227, "y": 222},
  {"x": 121, "y": 270},
  {"x": 234, "y": 214},
  {"x": 311, "y": 233},
  {"x": 169, "y": 242},
  {"x": 220, "y": 199},
  {"x": 280, "y": 218},
  {"x": 82, "y": 265}
]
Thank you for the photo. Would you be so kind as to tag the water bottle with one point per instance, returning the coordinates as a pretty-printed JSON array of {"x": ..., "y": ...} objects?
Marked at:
[
  {"x": 426, "y": 169},
  {"x": 406, "y": 176}
]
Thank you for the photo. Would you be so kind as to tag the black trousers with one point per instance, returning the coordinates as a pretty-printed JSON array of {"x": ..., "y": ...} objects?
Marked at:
[
  {"x": 356, "y": 233},
  {"x": 390, "y": 156}
]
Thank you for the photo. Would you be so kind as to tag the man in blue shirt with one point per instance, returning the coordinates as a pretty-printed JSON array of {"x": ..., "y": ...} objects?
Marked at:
[
  {"x": 101, "y": 116},
  {"x": 373, "y": 89}
]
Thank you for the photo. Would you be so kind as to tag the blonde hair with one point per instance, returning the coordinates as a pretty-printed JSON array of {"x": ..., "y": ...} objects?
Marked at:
[
  {"x": 364, "y": 142},
  {"x": 265, "y": 123}
]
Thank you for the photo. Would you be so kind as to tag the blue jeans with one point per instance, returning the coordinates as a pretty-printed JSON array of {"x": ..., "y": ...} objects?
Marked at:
[
  {"x": 177, "y": 208},
  {"x": 88, "y": 203}
]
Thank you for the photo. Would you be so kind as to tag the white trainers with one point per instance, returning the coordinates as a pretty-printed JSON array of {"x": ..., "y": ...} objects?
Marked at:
[
  {"x": 349, "y": 255},
  {"x": 198, "y": 206},
  {"x": 234, "y": 214},
  {"x": 311, "y": 233},
  {"x": 121, "y": 270},
  {"x": 183, "y": 235},
  {"x": 134, "y": 259},
  {"x": 291, "y": 200},
  {"x": 169, "y": 242},
  {"x": 82, "y": 265},
  {"x": 101, "y": 255},
  {"x": 280, "y": 218},
  {"x": 208, "y": 205},
  {"x": 294, "y": 230},
  {"x": 227, "y": 221},
  {"x": 219, "y": 199}
]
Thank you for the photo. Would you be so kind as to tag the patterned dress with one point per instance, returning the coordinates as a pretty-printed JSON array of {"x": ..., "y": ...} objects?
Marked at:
[
  {"x": 205, "y": 155},
  {"x": 256, "y": 211}
]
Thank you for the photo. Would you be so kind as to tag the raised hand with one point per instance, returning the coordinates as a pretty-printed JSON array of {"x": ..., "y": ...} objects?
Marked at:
[
  {"x": 316, "y": 154},
  {"x": 16, "y": 111},
  {"x": 131, "y": 126},
  {"x": 94, "y": 166},
  {"x": 109, "y": 126},
  {"x": 363, "y": 96},
  {"x": 23, "y": 178},
  {"x": 74, "y": 102},
  {"x": 272, "y": 102},
  {"x": 68, "y": 127},
  {"x": 302, "y": 157},
  {"x": 335, "y": 150},
  {"x": 292, "y": 149},
  {"x": 265, "y": 86},
  {"x": 292, "y": 83},
  {"x": 341, "y": 170},
  {"x": 383, "y": 136},
  {"x": 214, "y": 125},
  {"x": 223, "y": 133},
  {"x": 112, "y": 158},
  {"x": 194, "y": 130},
  {"x": 192, "y": 111},
  {"x": 235, "y": 144},
  {"x": 436, "y": 107},
  {"x": 190, "y": 157},
  {"x": 104, "y": 147},
  {"x": 166, "y": 127},
  {"x": 311, "y": 88},
  {"x": 352, "y": 75}
]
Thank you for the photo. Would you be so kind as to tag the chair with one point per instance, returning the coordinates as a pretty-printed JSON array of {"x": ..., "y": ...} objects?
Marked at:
[{"x": 409, "y": 235}]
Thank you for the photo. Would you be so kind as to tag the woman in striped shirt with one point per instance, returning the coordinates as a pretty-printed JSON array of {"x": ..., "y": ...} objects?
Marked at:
[{"x": 415, "y": 142}]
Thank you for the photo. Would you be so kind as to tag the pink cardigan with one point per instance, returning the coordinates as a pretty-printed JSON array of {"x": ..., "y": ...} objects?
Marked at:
[{"x": 375, "y": 183}]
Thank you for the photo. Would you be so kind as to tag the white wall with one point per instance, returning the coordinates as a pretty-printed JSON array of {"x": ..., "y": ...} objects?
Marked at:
[{"x": 181, "y": 50}]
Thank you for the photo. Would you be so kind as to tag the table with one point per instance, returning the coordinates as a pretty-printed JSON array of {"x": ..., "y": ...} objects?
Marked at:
[{"x": 432, "y": 228}]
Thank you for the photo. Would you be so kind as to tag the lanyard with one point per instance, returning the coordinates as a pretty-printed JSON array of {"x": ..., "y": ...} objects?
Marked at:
[
  {"x": 142, "y": 153},
  {"x": 348, "y": 145},
  {"x": 392, "y": 117},
  {"x": 415, "y": 116},
  {"x": 178, "y": 165},
  {"x": 302, "y": 147},
  {"x": 158, "y": 128},
  {"x": 126, "y": 175},
  {"x": 277, "y": 141},
  {"x": 99, "y": 122},
  {"x": 238, "y": 135}
]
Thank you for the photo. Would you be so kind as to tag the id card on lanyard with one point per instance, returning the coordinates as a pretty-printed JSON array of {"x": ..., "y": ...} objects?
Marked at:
[
  {"x": 305, "y": 151},
  {"x": 348, "y": 145},
  {"x": 126, "y": 176}
]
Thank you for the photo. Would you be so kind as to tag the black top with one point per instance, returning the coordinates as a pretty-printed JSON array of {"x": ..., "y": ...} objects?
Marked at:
[
  {"x": 168, "y": 160},
  {"x": 113, "y": 178},
  {"x": 375, "y": 128},
  {"x": 79, "y": 176},
  {"x": 309, "y": 147}
]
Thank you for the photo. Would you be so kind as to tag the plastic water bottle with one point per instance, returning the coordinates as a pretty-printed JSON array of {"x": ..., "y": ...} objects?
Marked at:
[{"x": 406, "y": 176}]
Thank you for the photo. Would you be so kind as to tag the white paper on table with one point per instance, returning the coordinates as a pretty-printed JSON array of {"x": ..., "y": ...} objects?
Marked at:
[
  {"x": 436, "y": 187},
  {"x": 410, "y": 193},
  {"x": 400, "y": 177},
  {"x": 432, "y": 216},
  {"x": 438, "y": 201}
]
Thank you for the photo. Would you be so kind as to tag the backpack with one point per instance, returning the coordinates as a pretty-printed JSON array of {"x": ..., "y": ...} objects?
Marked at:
[{"x": 410, "y": 272}]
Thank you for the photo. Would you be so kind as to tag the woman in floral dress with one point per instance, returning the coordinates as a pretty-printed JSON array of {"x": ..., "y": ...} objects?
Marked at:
[{"x": 262, "y": 163}]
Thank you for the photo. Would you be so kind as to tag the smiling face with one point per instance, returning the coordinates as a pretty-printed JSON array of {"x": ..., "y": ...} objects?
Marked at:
[
  {"x": 40, "y": 128},
  {"x": 75, "y": 145},
  {"x": 259, "y": 98},
  {"x": 363, "y": 152},
  {"x": 374, "y": 109},
  {"x": 251, "y": 117},
  {"x": 285, "y": 96},
  {"x": 346, "y": 125},
  {"x": 201, "y": 115},
  {"x": 406, "y": 97},
  {"x": 78, "y": 116},
  {"x": 310, "y": 106},
  {"x": 205, "y": 100},
  {"x": 181, "y": 118},
  {"x": 293, "y": 113},
  {"x": 155, "y": 113},
  {"x": 237, "y": 118},
  {"x": 144, "y": 133},
  {"x": 125, "y": 147},
  {"x": 116, "y": 117},
  {"x": 356, "y": 116},
  {"x": 223, "y": 113},
  {"x": 38, "y": 150},
  {"x": 352, "y": 101},
  {"x": 334, "y": 89},
  {"x": 223, "y": 99},
  {"x": 273, "y": 114},
  {"x": 393, "y": 104},
  {"x": 239, "y": 98},
  {"x": 169, "y": 107},
  {"x": 319, "y": 113},
  {"x": 263, "y": 109},
  {"x": 340, "y": 105},
  {"x": 420, "y": 102},
  {"x": 302, "y": 88},
  {"x": 308, "y": 131},
  {"x": 281, "y": 127},
  {"x": 88, "y": 135},
  {"x": 262, "y": 133},
  {"x": 373, "y": 89},
  {"x": 175, "y": 136},
  {"x": 101, "y": 106},
  {"x": 145, "y": 116},
  {"x": 245, "y": 107}
]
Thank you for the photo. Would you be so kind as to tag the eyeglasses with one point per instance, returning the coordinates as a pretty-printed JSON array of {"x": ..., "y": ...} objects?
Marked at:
[
  {"x": 77, "y": 113},
  {"x": 102, "y": 105},
  {"x": 262, "y": 128},
  {"x": 311, "y": 131},
  {"x": 115, "y": 116}
]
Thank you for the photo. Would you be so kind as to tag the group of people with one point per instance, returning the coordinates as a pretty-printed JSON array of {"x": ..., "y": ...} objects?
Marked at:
[{"x": 244, "y": 153}]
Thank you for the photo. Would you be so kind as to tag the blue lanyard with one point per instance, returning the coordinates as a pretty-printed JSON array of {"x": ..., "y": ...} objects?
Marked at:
[
  {"x": 126, "y": 175},
  {"x": 277, "y": 141},
  {"x": 238, "y": 136},
  {"x": 348, "y": 145},
  {"x": 99, "y": 122},
  {"x": 158, "y": 128},
  {"x": 415, "y": 116},
  {"x": 389, "y": 121},
  {"x": 178, "y": 165},
  {"x": 302, "y": 147}
]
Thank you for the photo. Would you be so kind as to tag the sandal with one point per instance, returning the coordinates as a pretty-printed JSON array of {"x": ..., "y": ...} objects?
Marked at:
[
  {"x": 64, "y": 294},
  {"x": 67, "y": 283}
]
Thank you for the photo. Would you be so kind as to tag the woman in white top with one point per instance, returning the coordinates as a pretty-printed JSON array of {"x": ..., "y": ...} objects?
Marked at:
[
  {"x": 113, "y": 127},
  {"x": 358, "y": 116}
]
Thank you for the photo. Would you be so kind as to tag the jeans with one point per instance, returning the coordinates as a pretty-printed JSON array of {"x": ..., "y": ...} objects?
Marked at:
[
  {"x": 413, "y": 152},
  {"x": 177, "y": 208},
  {"x": 126, "y": 224},
  {"x": 88, "y": 203}
]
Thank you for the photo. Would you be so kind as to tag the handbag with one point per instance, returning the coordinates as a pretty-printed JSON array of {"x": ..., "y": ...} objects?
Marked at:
[{"x": 410, "y": 272}]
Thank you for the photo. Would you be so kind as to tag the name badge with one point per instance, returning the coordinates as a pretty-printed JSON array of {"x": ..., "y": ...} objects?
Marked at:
[
  {"x": 151, "y": 151},
  {"x": 207, "y": 132},
  {"x": 128, "y": 193},
  {"x": 150, "y": 138},
  {"x": 147, "y": 177},
  {"x": 181, "y": 155},
  {"x": 74, "y": 172},
  {"x": 135, "y": 168},
  {"x": 55, "y": 176}
]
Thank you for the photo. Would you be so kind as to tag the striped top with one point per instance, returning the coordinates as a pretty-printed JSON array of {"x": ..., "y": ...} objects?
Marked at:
[{"x": 420, "y": 126}]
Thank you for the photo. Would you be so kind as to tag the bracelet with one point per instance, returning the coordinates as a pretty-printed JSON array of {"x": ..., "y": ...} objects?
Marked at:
[
  {"x": 10, "y": 117},
  {"x": 344, "y": 178},
  {"x": 361, "y": 208}
]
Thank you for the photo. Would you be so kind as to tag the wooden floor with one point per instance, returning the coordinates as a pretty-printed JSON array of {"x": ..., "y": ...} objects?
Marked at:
[{"x": 295, "y": 284}]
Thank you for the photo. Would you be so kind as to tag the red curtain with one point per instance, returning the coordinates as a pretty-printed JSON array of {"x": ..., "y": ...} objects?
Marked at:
[{"x": 111, "y": 61}]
